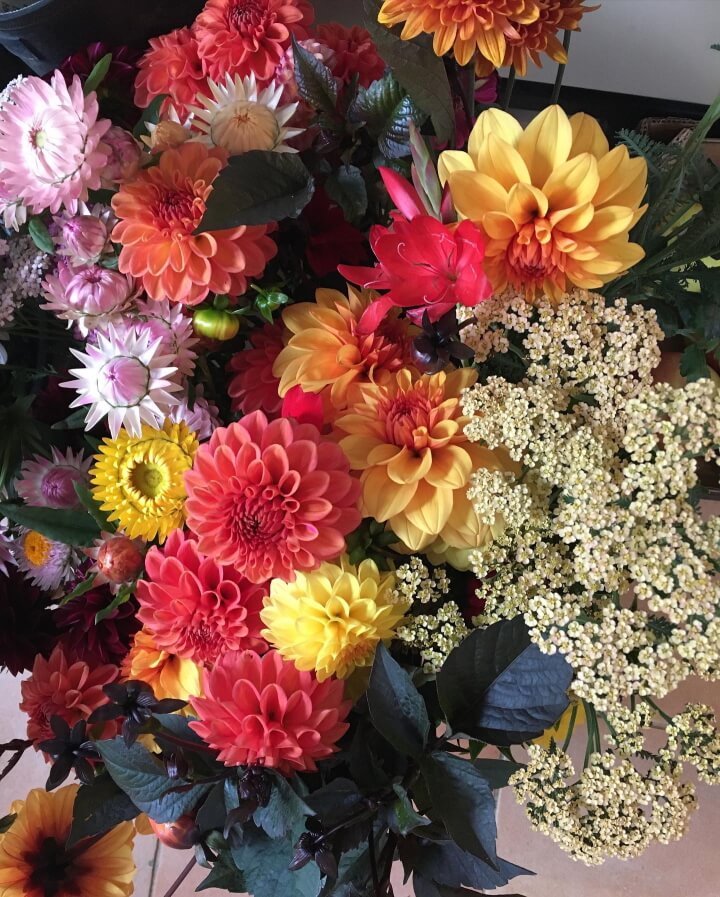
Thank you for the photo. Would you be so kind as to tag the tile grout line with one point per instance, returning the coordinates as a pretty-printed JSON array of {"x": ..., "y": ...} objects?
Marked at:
[{"x": 153, "y": 874}]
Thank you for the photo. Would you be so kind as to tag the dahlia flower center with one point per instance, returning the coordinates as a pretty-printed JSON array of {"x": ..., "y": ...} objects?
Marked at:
[
  {"x": 123, "y": 382},
  {"x": 244, "y": 125},
  {"x": 149, "y": 479},
  {"x": 248, "y": 15},
  {"x": 533, "y": 256},
  {"x": 257, "y": 517},
  {"x": 175, "y": 208},
  {"x": 58, "y": 486},
  {"x": 37, "y": 548},
  {"x": 407, "y": 420},
  {"x": 52, "y": 868}
]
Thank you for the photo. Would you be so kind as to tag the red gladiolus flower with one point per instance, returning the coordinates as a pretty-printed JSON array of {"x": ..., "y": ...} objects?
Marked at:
[{"x": 262, "y": 710}]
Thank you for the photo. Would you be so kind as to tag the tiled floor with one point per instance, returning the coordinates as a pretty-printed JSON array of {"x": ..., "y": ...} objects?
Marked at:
[{"x": 689, "y": 867}]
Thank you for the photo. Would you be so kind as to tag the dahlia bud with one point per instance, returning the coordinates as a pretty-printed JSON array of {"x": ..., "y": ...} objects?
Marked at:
[
  {"x": 180, "y": 835},
  {"x": 95, "y": 291},
  {"x": 166, "y": 135},
  {"x": 119, "y": 560},
  {"x": 82, "y": 239},
  {"x": 124, "y": 161}
]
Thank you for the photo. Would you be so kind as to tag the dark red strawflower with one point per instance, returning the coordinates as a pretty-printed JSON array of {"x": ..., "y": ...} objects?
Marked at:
[
  {"x": 332, "y": 240},
  {"x": 121, "y": 73},
  {"x": 353, "y": 52},
  {"x": 26, "y": 623},
  {"x": 96, "y": 643}
]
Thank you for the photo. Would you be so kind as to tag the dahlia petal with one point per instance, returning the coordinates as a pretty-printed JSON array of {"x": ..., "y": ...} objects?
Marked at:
[
  {"x": 588, "y": 136},
  {"x": 607, "y": 222},
  {"x": 503, "y": 163},
  {"x": 380, "y": 499},
  {"x": 546, "y": 142},
  {"x": 451, "y": 161},
  {"x": 475, "y": 194},
  {"x": 573, "y": 183}
]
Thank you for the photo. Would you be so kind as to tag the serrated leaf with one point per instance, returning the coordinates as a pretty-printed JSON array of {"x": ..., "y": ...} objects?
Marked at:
[
  {"x": 98, "y": 74},
  {"x": 70, "y": 527},
  {"x": 225, "y": 876},
  {"x": 258, "y": 187},
  {"x": 693, "y": 364},
  {"x": 396, "y": 707},
  {"x": 316, "y": 83},
  {"x": 285, "y": 812},
  {"x": 264, "y": 862},
  {"x": 403, "y": 817},
  {"x": 144, "y": 779},
  {"x": 40, "y": 235},
  {"x": 444, "y": 863},
  {"x": 98, "y": 808},
  {"x": 394, "y": 139},
  {"x": 463, "y": 799},
  {"x": 499, "y": 687},
  {"x": 346, "y": 186},
  {"x": 417, "y": 68}
]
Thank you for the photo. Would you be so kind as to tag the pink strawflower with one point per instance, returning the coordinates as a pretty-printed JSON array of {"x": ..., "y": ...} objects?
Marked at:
[
  {"x": 90, "y": 296},
  {"x": 125, "y": 156},
  {"x": 46, "y": 563},
  {"x": 168, "y": 322},
  {"x": 50, "y": 482},
  {"x": 51, "y": 149},
  {"x": 126, "y": 378},
  {"x": 202, "y": 418},
  {"x": 81, "y": 239}
]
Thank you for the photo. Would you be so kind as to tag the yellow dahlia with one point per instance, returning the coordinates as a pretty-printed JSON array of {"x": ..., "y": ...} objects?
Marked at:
[
  {"x": 554, "y": 202},
  {"x": 331, "y": 620},
  {"x": 35, "y": 862},
  {"x": 168, "y": 675},
  {"x": 407, "y": 438},
  {"x": 325, "y": 348},
  {"x": 464, "y": 26},
  {"x": 139, "y": 480}
]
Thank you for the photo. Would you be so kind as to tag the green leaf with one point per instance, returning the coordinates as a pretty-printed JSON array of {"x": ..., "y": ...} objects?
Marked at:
[
  {"x": 316, "y": 83},
  {"x": 123, "y": 596},
  {"x": 424, "y": 171},
  {"x": 40, "y": 235},
  {"x": 444, "y": 864},
  {"x": 499, "y": 687},
  {"x": 98, "y": 74},
  {"x": 394, "y": 140},
  {"x": 98, "y": 808},
  {"x": 396, "y": 706},
  {"x": 144, "y": 779},
  {"x": 93, "y": 508},
  {"x": 285, "y": 812},
  {"x": 80, "y": 589},
  {"x": 346, "y": 186},
  {"x": 388, "y": 113},
  {"x": 693, "y": 365},
  {"x": 403, "y": 817},
  {"x": 6, "y": 822},
  {"x": 417, "y": 68},
  {"x": 151, "y": 116},
  {"x": 463, "y": 799},
  {"x": 257, "y": 187},
  {"x": 497, "y": 773},
  {"x": 212, "y": 814},
  {"x": 71, "y": 527},
  {"x": 264, "y": 864},
  {"x": 74, "y": 421},
  {"x": 225, "y": 876}
]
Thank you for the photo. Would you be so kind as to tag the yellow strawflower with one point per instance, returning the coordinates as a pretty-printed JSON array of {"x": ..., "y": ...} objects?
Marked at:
[
  {"x": 332, "y": 620},
  {"x": 139, "y": 480}
]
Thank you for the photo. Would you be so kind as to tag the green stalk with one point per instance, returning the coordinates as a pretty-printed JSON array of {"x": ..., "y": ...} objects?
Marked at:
[{"x": 571, "y": 727}]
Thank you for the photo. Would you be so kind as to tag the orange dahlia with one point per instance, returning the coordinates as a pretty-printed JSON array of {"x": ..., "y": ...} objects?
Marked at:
[
  {"x": 159, "y": 211},
  {"x": 326, "y": 349},
  {"x": 406, "y": 436},
  {"x": 35, "y": 860},
  {"x": 57, "y": 687},
  {"x": 247, "y": 37},
  {"x": 168, "y": 675},
  {"x": 271, "y": 498},
  {"x": 254, "y": 386},
  {"x": 464, "y": 26},
  {"x": 171, "y": 67},
  {"x": 196, "y": 608},
  {"x": 263, "y": 710},
  {"x": 554, "y": 202}
]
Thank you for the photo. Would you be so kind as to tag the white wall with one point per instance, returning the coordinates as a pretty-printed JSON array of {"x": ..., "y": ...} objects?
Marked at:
[{"x": 657, "y": 48}]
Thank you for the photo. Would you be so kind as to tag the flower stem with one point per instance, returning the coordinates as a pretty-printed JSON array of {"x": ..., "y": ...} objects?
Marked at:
[
  {"x": 507, "y": 96},
  {"x": 561, "y": 70},
  {"x": 180, "y": 879},
  {"x": 571, "y": 727}
]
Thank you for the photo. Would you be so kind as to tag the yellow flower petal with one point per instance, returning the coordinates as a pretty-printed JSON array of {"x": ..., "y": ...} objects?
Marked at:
[
  {"x": 526, "y": 202},
  {"x": 573, "y": 182},
  {"x": 545, "y": 144},
  {"x": 474, "y": 195},
  {"x": 607, "y": 222},
  {"x": 502, "y": 162},
  {"x": 497, "y": 122},
  {"x": 451, "y": 161},
  {"x": 588, "y": 136}
]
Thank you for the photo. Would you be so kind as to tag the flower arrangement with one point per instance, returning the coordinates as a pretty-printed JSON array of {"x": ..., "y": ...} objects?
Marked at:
[{"x": 346, "y": 476}]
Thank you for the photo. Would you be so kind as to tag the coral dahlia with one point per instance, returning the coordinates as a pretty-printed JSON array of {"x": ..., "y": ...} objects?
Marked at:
[
  {"x": 59, "y": 687},
  {"x": 195, "y": 607},
  {"x": 263, "y": 710},
  {"x": 326, "y": 347},
  {"x": 249, "y": 36},
  {"x": 353, "y": 52},
  {"x": 51, "y": 149},
  {"x": 159, "y": 211},
  {"x": 406, "y": 436},
  {"x": 172, "y": 68},
  {"x": 554, "y": 202},
  {"x": 271, "y": 498},
  {"x": 332, "y": 620},
  {"x": 253, "y": 386},
  {"x": 36, "y": 861},
  {"x": 50, "y": 482}
]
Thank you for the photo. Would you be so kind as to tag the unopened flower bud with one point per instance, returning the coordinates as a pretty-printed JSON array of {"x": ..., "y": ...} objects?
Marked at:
[
  {"x": 124, "y": 161},
  {"x": 82, "y": 239},
  {"x": 119, "y": 560}
]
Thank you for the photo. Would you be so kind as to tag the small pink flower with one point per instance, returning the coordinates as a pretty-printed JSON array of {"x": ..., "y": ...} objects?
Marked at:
[
  {"x": 50, "y": 482},
  {"x": 81, "y": 238},
  {"x": 125, "y": 155},
  {"x": 90, "y": 296}
]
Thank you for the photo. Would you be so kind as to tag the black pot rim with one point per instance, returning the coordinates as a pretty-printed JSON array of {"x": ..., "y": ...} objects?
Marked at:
[{"x": 26, "y": 10}]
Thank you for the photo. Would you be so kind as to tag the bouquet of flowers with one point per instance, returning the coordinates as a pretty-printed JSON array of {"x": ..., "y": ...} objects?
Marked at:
[{"x": 354, "y": 443}]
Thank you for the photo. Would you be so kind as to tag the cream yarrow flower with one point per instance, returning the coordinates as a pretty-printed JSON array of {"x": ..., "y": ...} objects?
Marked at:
[
  {"x": 332, "y": 620},
  {"x": 238, "y": 117},
  {"x": 139, "y": 479}
]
